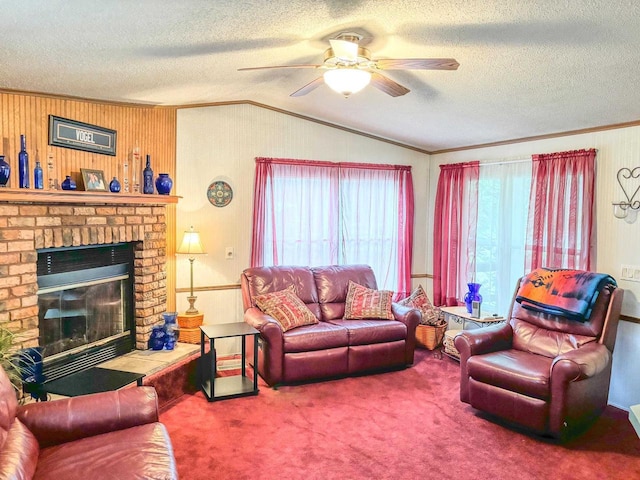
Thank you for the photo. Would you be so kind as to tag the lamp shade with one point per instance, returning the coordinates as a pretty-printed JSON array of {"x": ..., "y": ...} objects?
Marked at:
[
  {"x": 347, "y": 80},
  {"x": 191, "y": 244}
]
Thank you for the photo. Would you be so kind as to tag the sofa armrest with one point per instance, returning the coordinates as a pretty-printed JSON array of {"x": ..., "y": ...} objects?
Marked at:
[
  {"x": 70, "y": 419},
  {"x": 411, "y": 318},
  {"x": 581, "y": 363},
  {"x": 477, "y": 342},
  {"x": 484, "y": 340},
  {"x": 268, "y": 327}
]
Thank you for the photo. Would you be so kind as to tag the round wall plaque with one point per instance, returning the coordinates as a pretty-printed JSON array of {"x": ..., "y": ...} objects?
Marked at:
[{"x": 220, "y": 194}]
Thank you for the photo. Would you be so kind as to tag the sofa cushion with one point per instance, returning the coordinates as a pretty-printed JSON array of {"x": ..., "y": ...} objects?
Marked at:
[
  {"x": 320, "y": 336},
  {"x": 8, "y": 406},
  {"x": 363, "y": 302},
  {"x": 367, "y": 331},
  {"x": 286, "y": 308},
  {"x": 419, "y": 299},
  {"x": 19, "y": 454},
  {"x": 513, "y": 370},
  {"x": 332, "y": 283},
  {"x": 260, "y": 280},
  {"x": 139, "y": 452}
]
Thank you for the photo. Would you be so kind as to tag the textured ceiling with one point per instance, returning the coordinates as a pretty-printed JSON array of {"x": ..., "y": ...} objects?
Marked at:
[{"x": 526, "y": 68}]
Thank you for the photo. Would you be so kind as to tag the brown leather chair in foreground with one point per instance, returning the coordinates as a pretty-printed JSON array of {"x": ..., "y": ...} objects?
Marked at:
[
  {"x": 544, "y": 372},
  {"x": 104, "y": 435}
]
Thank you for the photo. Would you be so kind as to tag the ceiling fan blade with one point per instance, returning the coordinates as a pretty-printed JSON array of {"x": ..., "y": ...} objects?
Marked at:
[
  {"x": 387, "y": 85},
  {"x": 308, "y": 87},
  {"x": 417, "y": 64},
  {"x": 280, "y": 66},
  {"x": 344, "y": 50}
]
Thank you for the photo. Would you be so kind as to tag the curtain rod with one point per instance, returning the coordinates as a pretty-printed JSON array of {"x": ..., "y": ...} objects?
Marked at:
[{"x": 506, "y": 161}]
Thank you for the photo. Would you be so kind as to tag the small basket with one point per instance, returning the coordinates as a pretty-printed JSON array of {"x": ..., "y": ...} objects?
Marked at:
[
  {"x": 190, "y": 321},
  {"x": 430, "y": 336},
  {"x": 189, "y": 335},
  {"x": 449, "y": 346}
]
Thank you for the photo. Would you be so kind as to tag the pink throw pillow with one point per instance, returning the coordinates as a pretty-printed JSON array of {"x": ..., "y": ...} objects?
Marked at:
[
  {"x": 286, "y": 308},
  {"x": 363, "y": 302},
  {"x": 419, "y": 299}
]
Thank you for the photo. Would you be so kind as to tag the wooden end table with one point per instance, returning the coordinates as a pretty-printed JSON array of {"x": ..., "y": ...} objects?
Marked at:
[{"x": 226, "y": 387}]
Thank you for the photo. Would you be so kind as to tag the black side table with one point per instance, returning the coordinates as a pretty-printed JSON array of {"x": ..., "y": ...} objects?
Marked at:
[{"x": 226, "y": 387}]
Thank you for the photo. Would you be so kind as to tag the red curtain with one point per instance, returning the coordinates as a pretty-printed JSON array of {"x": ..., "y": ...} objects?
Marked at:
[
  {"x": 561, "y": 218},
  {"x": 321, "y": 213},
  {"x": 454, "y": 232}
]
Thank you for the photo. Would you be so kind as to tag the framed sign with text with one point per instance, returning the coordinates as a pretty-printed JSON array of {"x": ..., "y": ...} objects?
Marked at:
[{"x": 81, "y": 136}]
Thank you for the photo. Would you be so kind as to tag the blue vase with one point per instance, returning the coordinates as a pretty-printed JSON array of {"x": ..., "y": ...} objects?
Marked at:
[
  {"x": 164, "y": 184},
  {"x": 23, "y": 164},
  {"x": 5, "y": 172},
  {"x": 170, "y": 330},
  {"x": 114, "y": 185},
  {"x": 473, "y": 295},
  {"x": 68, "y": 183},
  {"x": 156, "y": 340}
]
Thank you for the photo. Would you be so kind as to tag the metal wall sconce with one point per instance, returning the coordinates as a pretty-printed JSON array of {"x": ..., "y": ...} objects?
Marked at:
[{"x": 629, "y": 180}]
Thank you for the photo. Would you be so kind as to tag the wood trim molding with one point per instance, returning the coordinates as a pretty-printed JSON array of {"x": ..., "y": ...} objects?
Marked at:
[
  {"x": 421, "y": 275},
  {"x": 305, "y": 117},
  {"x": 85, "y": 100},
  {"x": 539, "y": 137},
  {"x": 210, "y": 288},
  {"x": 90, "y": 198},
  {"x": 628, "y": 318}
]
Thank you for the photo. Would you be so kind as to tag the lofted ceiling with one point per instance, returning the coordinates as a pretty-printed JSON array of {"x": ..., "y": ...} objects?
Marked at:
[{"x": 526, "y": 68}]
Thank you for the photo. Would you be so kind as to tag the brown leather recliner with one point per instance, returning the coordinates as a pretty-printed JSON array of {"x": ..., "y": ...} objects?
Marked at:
[
  {"x": 544, "y": 372},
  {"x": 104, "y": 435}
]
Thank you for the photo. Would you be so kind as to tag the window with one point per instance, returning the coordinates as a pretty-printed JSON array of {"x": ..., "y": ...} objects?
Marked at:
[
  {"x": 323, "y": 213},
  {"x": 523, "y": 215},
  {"x": 503, "y": 202}
]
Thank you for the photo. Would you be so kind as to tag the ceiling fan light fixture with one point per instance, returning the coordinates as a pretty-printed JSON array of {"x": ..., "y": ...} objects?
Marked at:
[{"x": 347, "y": 81}]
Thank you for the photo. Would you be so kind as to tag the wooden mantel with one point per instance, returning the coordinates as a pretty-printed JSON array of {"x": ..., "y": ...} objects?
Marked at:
[{"x": 14, "y": 195}]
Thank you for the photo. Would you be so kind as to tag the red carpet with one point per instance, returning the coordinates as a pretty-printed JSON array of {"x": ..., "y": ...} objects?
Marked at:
[{"x": 407, "y": 424}]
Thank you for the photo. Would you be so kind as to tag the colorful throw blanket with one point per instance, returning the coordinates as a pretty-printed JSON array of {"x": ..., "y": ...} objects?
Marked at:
[{"x": 568, "y": 293}]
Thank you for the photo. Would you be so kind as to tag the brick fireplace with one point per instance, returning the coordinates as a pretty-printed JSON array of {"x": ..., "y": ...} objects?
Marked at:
[{"x": 26, "y": 227}]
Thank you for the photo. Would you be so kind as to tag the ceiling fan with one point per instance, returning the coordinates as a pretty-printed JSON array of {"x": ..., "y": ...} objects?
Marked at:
[{"x": 349, "y": 68}]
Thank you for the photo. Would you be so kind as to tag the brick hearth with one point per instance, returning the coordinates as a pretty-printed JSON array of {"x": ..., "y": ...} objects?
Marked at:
[{"x": 26, "y": 228}]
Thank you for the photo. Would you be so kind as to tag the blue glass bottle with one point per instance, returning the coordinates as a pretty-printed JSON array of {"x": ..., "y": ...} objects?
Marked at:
[
  {"x": 23, "y": 164},
  {"x": 38, "y": 180},
  {"x": 147, "y": 177}
]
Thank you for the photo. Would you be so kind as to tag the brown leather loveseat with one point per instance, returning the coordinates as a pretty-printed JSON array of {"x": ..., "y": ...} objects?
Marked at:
[
  {"x": 334, "y": 346},
  {"x": 104, "y": 435}
]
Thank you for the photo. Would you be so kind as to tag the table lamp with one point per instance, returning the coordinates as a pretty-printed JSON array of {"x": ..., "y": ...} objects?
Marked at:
[{"x": 191, "y": 246}]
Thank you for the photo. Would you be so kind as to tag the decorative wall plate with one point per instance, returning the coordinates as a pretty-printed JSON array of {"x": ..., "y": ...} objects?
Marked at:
[{"x": 220, "y": 193}]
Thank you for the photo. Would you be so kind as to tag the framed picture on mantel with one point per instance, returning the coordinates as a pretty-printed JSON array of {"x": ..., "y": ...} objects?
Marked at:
[
  {"x": 81, "y": 136},
  {"x": 93, "y": 180}
]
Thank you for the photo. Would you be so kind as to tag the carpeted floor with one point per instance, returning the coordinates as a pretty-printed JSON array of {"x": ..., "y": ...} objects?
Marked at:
[{"x": 407, "y": 424}]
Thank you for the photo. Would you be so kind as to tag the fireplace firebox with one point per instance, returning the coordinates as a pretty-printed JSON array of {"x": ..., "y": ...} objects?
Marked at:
[{"x": 86, "y": 305}]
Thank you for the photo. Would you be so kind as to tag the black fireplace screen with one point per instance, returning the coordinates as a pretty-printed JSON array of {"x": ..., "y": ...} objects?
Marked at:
[
  {"x": 83, "y": 313},
  {"x": 85, "y": 302}
]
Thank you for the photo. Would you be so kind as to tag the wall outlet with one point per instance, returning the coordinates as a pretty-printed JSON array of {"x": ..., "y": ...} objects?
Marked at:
[
  {"x": 229, "y": 253},
  {"x": 630, "y": 273}
]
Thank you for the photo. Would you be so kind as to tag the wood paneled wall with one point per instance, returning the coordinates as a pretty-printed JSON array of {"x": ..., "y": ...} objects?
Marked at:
[{"x": 152, "y": 129}]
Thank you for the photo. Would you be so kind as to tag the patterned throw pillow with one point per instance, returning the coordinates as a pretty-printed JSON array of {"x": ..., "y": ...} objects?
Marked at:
[
  {"x": 419, "y": 299},
  {"x": 363, "y": 302},
  {"x": 286, "y": 308}
]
